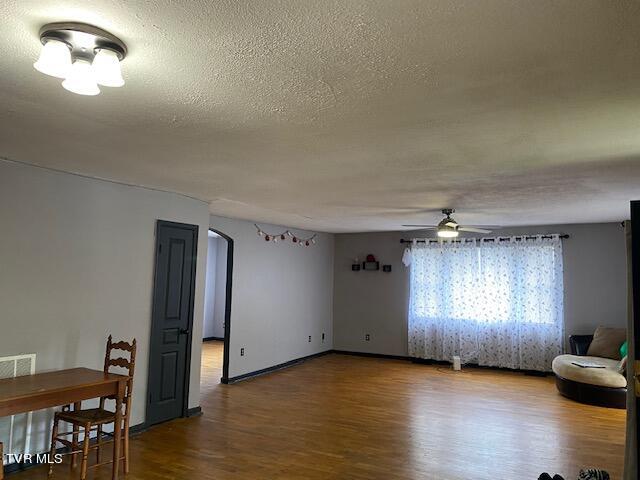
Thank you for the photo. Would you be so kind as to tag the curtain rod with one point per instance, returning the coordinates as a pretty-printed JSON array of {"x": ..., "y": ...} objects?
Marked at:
[{"x": 492, "y": 239}]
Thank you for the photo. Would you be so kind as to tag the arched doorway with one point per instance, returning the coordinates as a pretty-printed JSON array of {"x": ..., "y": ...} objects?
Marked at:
[{"x": 217, "y": 323}]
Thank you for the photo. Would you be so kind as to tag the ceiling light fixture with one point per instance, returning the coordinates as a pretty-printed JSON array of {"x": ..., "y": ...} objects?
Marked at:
[
  {"x": 55, "y": 59},
  {"x": 81, "y": 79},
  {"x": 106, "y": 67},
  {"x": 446, "y": 231},
  {"x": 83, "y": 55},
  {"x": 448, "y": 227}
]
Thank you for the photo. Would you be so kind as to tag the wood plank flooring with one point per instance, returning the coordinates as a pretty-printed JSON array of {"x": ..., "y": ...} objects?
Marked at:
[{"x": 347, "y": 417}]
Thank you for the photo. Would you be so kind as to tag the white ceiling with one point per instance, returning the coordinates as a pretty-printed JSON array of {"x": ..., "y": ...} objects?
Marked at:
[{"x": 346, "y": 115}]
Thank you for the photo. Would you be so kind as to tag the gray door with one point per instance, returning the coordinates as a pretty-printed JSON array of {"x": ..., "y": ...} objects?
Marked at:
[{"x": 172, "y": 318}]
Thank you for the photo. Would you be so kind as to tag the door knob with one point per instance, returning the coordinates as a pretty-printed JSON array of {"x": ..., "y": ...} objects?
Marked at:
[{"x": 184, "y": 331}]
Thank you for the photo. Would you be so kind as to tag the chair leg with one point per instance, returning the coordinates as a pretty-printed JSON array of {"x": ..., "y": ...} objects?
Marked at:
[
  {"x": 74, "y": 448},
  {"x": 126, "y": 445},
  {"x": 85, "y": 452},
  {"x": 74, "y": 442},
  {"x": 52, "y": 452},
  {"x": 98, "y": 443}
]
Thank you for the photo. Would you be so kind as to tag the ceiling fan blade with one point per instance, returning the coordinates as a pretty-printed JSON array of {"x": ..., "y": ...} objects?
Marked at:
[
  {"x": 473, "y": 229},
  {"x": 425, "y": 227},
  {"x": 488, "y": 227}
]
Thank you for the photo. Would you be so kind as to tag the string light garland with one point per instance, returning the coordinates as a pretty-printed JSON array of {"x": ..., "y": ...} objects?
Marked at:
[{"x": 287, "y": 234}]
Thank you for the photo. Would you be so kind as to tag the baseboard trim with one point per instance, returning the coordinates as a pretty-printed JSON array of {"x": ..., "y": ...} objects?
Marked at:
[
  {"x": 532, "y": 373},
  {"x": 194, "y": 412},
  {"x": 280, "y": 366},
  {"x": 372, "y": 355},
  {"x": 426, "y": 361},
  {"x": 406, "y": 358},
  {"x": 139, "y": 428},
  {"x": 213, "y": 339}
]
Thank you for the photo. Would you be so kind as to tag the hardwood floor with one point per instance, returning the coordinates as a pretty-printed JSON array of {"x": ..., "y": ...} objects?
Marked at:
[{"x": 347, "y": 417}]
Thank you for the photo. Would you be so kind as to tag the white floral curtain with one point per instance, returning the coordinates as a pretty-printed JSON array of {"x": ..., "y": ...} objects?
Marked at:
[{"x": 495, "y": 303}]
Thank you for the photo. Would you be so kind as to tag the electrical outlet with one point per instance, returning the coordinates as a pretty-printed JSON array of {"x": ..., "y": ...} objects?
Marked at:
[
  {"x": 323, "y": 338},
  {"x": 367, "y": 337},
  {"x": 309, "y": 338},
  {"x": 242, "y": 352}
]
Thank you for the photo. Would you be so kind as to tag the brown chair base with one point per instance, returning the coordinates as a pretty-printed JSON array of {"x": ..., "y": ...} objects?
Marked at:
[{"x": 592, "y": 394}]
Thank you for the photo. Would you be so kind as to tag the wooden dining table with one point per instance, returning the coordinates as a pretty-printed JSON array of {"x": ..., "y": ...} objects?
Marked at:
[{"x": 64, "y": 387}]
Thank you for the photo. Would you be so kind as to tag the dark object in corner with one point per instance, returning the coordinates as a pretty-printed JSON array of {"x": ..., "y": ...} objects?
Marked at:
[{"x": 386, "y": 268}]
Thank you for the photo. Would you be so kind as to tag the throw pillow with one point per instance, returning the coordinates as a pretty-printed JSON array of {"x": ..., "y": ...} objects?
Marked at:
[
  {"x": 624, "y": 349},
  {"x": 606, "y": 342},
  {"x": 622, "y": 366}
]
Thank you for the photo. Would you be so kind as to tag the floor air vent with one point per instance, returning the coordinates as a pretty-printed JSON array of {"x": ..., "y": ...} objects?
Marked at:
[{"x": 15, "y": 431}]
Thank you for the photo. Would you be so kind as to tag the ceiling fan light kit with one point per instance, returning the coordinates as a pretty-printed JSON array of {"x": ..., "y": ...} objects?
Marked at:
[
  {"x": 449, "y": 228},
  {"x": 447, "y": 232},
  {"x": 83, "y": 55}
]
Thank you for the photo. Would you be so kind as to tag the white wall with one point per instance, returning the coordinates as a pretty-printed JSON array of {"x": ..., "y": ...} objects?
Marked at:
[
  {"x": 376, "y": 302},
  {"x": 77, "y": 264},
  {"x": 210, "y": 300},
  {"x": 282, "y": 293}
]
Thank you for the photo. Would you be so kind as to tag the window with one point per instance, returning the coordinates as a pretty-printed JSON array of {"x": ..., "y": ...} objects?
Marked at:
[{"x": 494, "y": 303}]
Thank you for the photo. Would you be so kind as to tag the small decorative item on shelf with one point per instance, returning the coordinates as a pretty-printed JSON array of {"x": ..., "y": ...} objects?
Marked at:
[
  {"x": 371, "y": 264},
  {"x": 386, "y": 268},
  {"x": 355, "y": 266}
]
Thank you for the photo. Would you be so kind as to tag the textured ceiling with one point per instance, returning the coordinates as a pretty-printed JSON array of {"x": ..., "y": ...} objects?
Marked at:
[{"x": 348, "y": 115}]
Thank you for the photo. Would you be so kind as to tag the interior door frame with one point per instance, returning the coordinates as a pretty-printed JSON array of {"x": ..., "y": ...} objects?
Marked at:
[
  {"x": 227, "y": 305},
  {"x": 187, "y": 373},
  {"x": 635, "y": 276}
]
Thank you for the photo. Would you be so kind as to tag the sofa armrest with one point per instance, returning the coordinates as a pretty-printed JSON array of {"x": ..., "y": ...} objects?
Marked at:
[{"x": 579, "y": 344}]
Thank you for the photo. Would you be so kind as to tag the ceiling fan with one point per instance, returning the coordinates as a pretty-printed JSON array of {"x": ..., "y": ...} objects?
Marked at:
[{"x": 449, "y": 228}]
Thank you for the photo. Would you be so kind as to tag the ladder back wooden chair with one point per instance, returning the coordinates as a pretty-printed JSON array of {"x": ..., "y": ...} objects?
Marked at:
[{"x": 95, "y": 419}]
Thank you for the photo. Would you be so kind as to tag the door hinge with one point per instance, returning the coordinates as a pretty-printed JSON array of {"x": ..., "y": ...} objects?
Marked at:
[{"x": 636, "y": 376}]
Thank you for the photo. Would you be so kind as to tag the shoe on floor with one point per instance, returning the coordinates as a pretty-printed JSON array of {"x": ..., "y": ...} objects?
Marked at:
[{"x": 593, "y": 474}]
